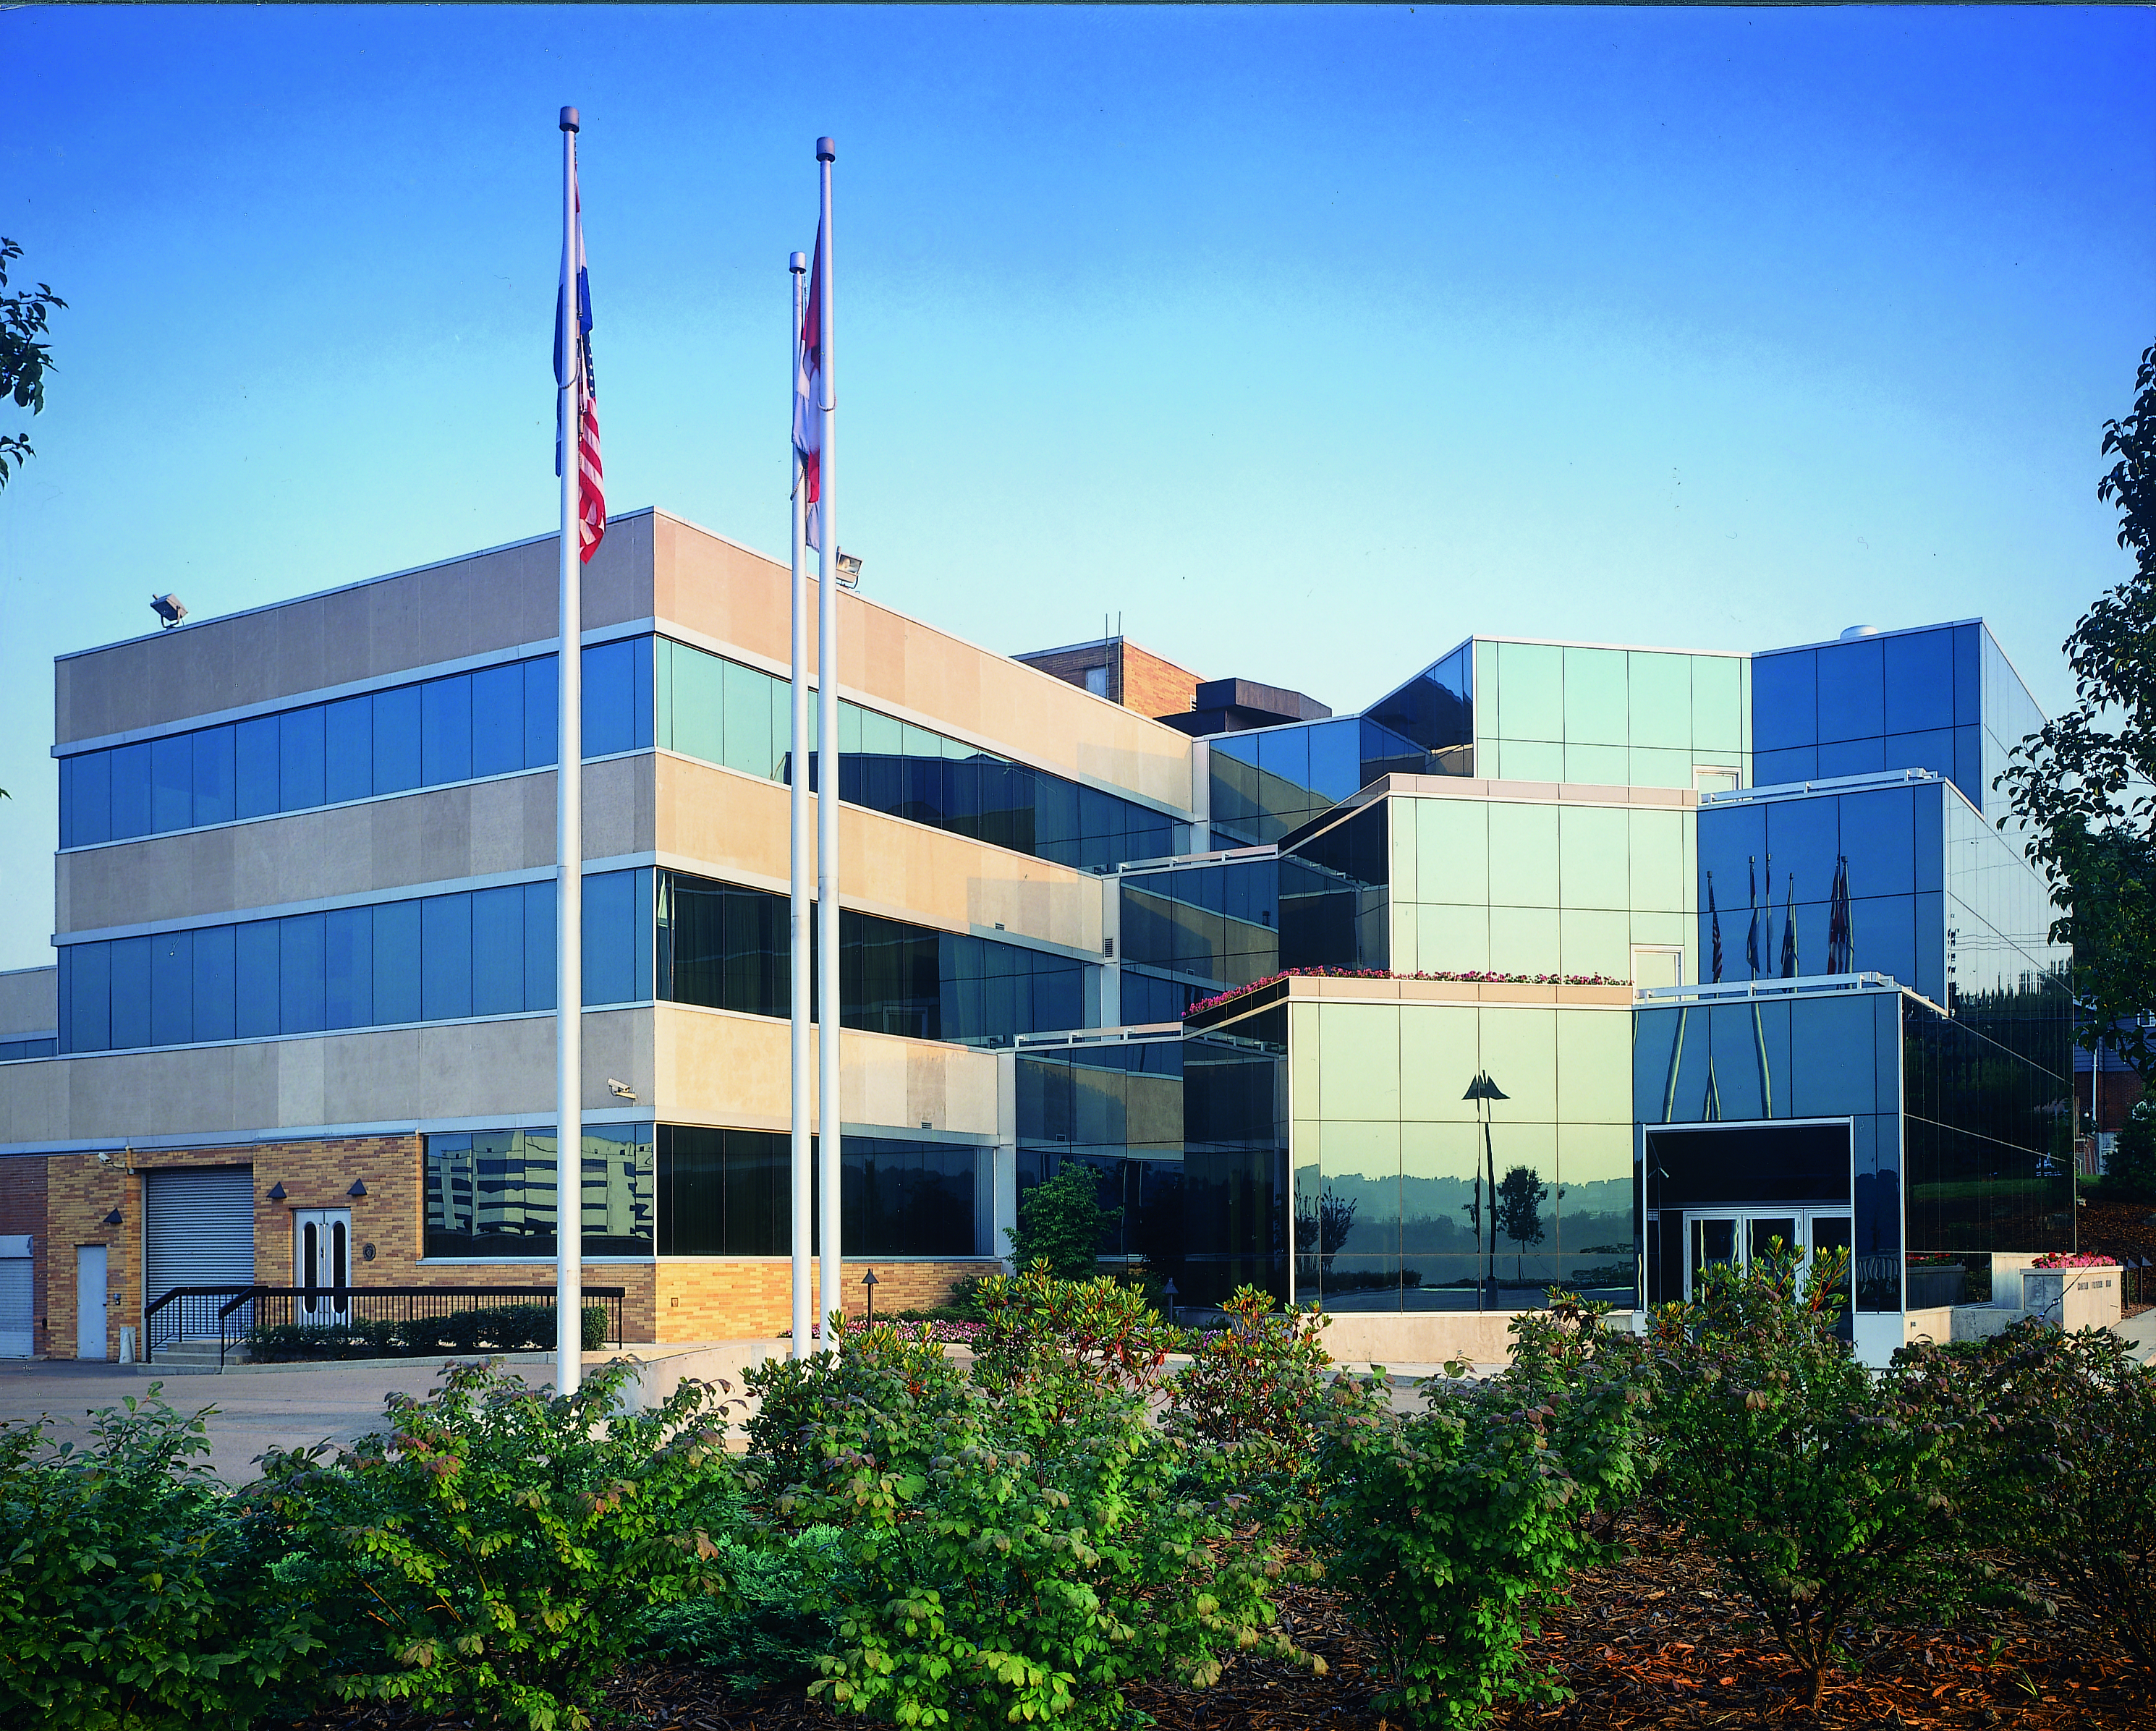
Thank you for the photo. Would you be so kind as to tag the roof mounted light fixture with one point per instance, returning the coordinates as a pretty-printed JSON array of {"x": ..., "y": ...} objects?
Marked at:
[
  {"x": 849, "y": 570},
  {"x": 167, "y": 608}
]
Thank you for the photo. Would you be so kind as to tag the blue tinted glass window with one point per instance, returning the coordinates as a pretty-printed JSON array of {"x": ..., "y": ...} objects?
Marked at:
[
  {"x": 254, "y": 990},
  {"x": 1771, "y": 769},
  {"x": 1852, "y": 757},
  {"x": 130, "y": 791},
  {"x": 86, "y": 979},
  {"x": 445, "y": 730},
  {"x": 130, "y": 993},
  {"x": 301, "y": 983},
  {"x": 171, "y": 783},
  {"x": 497, "y": 948},
  {"x": 216, "y": 795},
  {"x": 299, "y": 759},
  {"x": 540, "y": 960},
  {"x": 397, "y": 982},
  {"x": 1336, "y": 754},
  {"x": 1851, "y": 691},
  {"x": 90, "y": 805},
  {"x": 216, "y": 982},
  {"x": 497, "y": 721},
  {"x": 348, "y": 967},
  {"x": 348, "y": 749},
  {"x": 397, "y": 739},
  {"x": 542, "y": 693},
  {"x": 254, "y": 750},
  {"x": 640, "y": 692},
  {"x": 445, "y": 957},
  {"x": 1784, "y": 700},
  {"x": 1920, "y": 681},
  {"x": 171, "y": 988},
  {"x": 1968, "y": 677},
  {"x": 609, "y": 673},
  {"x": 1932, "y": 751},
  {"x": 610, "y": 938}
]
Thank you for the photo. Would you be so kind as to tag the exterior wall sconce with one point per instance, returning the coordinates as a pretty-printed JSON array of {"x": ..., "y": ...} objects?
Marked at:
[
  {"x": 277, "y": 1191},
  {"x": 113, "y": 1218},
  {"x": 358, "y": 1187}
]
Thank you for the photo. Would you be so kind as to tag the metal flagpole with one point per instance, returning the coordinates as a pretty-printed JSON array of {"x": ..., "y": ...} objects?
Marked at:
[
  {"x": 804, "y": 1310},
  {"x": 833, "y": 1295},
  {"x": 568, "y": 778}
]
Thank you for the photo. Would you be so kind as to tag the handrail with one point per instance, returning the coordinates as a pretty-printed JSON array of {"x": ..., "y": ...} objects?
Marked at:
[{"x": 341, "y": 1301}]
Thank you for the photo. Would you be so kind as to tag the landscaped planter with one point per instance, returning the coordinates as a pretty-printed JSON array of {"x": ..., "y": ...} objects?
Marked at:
[{"x": 1936, "y": 1284}]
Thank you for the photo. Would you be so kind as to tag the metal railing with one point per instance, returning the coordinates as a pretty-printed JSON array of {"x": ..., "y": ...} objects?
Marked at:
[{"x": 230, "y": 1313}]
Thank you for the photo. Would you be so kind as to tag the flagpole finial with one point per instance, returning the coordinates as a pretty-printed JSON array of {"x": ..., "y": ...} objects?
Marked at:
[
  {"x": 569, "y": 120},
  {"x": 826, "y": 152},
  {"x": 797, "y": 263}
]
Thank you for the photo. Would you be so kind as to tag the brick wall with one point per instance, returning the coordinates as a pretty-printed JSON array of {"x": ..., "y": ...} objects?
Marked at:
[
  {"x": 749, "y": 1298},
  {"x": 23, "y": 1209},
  {"x": 81, "y": 1189},
  {"x": 1153, "y": 686}
]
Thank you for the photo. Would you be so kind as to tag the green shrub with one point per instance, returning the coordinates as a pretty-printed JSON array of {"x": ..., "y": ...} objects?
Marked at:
[
  {"x": 1827, "y": 1491},
  {"x": 1016, "y": 1546},
  {"x": 135, "y": 1593},
  {"x": 1253, "y": 1393},
  {"x": 760, "y": 1632},
  {"x": 1450, "y": 1529},
  {"x": 2130, "y": 1173},
  {"x": 486, "y": 1556},
  {"x": 494, "y": 1328},
  {"x": 1062, "y": 1222},
  {"x": 1102, "y": 1329}
]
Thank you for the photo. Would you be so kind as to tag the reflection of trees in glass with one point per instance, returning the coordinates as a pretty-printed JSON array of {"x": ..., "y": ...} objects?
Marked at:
[
  {"x": 1325, "y": 1228},
  {"x": 1519, "y": 1213}
]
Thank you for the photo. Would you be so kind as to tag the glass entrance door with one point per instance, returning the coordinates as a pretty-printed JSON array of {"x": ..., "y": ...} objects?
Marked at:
[{"x": 1735, "y": 1237}]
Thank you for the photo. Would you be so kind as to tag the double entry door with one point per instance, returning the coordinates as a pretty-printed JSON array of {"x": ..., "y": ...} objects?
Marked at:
[
  {"x": 321, "y": 1263},
  {"x": 1734, "y": 1237}
]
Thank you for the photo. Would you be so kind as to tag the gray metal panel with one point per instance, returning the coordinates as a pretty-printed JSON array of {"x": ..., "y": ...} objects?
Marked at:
[
  {"x": 15, "y": 1313},
  {"x": 198, "y": 1228}
]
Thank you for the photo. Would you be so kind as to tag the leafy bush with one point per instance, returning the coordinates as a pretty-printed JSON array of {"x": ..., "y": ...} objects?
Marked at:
[
  {"x": 2130, "y": 1173},
  {"x": 483, "y": 1556},
  {"x": 760, "y": 1632},
  {"x": 1252, "y": 1395},
  {"x": 1826, "y": 1491},
  {"x": 2060, "y": 1468},
  {"x": 1449, "y": 1529},
  {"x": 1015, "y": 1544},
  {"x": 1102, "y": 1327},
  {"x": 1062, "y": 1222},
  {"x": 135, "y": 1594},
  {"x": 493, "y": 1328}
]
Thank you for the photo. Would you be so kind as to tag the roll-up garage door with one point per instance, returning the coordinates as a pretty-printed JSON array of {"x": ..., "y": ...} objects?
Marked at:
[{"x": 198, "y": 1229}]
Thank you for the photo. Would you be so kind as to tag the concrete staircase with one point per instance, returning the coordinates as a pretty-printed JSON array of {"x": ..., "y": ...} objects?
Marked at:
[{"x": 184, "y": 1356}]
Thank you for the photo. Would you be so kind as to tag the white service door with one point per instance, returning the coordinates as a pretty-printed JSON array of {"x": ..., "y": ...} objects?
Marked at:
[
  {"x": 321, "y": 1257},
  {"x": 90, "y": 1300}
]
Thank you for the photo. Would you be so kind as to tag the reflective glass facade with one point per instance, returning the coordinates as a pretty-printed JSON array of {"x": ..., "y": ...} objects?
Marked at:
[
  {"x": 1392, "y": 1173},
  {"x": 728, "y": 948},
  {"x": 1186, "y": 1136},
  {"x": 1943, "y": 697},
  {"x": 493, "y": 721},
  {"x": 11, "y": 1050},
  {"x": 724, "y": 712},
  {"x": 492, "y": 1193},
  {"x": 725, "y": 1192},
  {"x": 1524, "y": 887},
  {"x": 1605, "y": 717},
  {"x": 436, "y": 958},
  {"x": 1436, "y": 710}
]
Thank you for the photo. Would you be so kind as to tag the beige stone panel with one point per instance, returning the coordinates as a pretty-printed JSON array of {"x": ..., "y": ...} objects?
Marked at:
[
  {"x": 301, "y": 1091},
  {"x": 618, "y": 806},
  {"x": 30, "y": 1001},
  {"x": 34, "y": 1101},
  {"x": 617, "y": 578},
  {"x": 445, "y": 835},
  {"x": 394, "y": 828},
  {"x": 362, "y": 1070},
  {"x": 715, "y": 1067},
  {"x": 498, "y": 828},
  {"x": 252, "y": 1088},
  {"x": 479, "y": 1069}
]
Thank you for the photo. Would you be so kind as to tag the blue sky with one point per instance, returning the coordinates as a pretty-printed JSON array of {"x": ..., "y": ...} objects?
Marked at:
[{"x": 1308, "y": 341}]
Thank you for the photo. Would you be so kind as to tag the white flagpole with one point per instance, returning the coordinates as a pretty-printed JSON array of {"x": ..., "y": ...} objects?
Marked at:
[
  {"x": 833, "y": 1297},
  {"x": 568, "y": 777},
  {"x": 804, "y": 1309}
]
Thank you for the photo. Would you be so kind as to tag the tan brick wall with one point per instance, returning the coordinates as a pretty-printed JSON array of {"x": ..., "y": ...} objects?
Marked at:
[
  {"x": 23, "y": 1209},
  {"x": 1070, "y": 665},
  {"x": 1154, "y": 687},
  {"x": 81, "y": 1189},
  {"x": 748, "y": 1298}
]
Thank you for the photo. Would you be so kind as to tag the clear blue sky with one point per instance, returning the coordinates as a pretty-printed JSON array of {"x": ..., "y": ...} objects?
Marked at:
[{"x": 1309, "y": 342}]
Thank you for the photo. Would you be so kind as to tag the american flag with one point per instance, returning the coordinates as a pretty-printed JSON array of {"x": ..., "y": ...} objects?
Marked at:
[
  {"x": 808, "y": 394},
  {"x": 590, "y": 490}
]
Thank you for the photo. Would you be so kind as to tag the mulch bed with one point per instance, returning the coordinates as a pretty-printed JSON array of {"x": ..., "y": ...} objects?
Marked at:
[{"x": 1658, "y": 1640}]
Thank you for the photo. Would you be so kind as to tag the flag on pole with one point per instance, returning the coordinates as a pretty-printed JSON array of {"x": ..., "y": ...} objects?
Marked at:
[
  {"x": 809, "y": 400},
  {"x": 574, "y": 359},
  {"x": 1751, "y": 937},
  {"x": 1714, "y": 919},
  {"x": 1789, "y": 929}
]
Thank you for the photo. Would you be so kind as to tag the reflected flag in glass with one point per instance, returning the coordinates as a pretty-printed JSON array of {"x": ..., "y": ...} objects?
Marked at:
[
  {"x": 1789, "y": 929},
  {"x": 1752, "y": 936},
  {"x": 1714, "y": 923}
]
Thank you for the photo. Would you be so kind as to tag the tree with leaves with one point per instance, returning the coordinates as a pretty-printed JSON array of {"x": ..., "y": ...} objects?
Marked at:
[
  {"x": 1061, "y": 1222},
  {"x": 2085, "y": 784},
  {"x": 25, "y": 357},
  {"x": 1519, "y": 1214}
]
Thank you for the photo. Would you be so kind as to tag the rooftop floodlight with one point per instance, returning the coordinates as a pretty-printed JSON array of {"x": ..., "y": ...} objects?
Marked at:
[
  {"x": 167, "y": 608},
  {"x": 623, "y": 1089},
  {"x": 358, "y": 1187},
  {"x": 849, "y": 570}
]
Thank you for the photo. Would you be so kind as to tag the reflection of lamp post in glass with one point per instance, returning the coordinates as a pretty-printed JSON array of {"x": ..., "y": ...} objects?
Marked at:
[{"x": 1482, "y": 1090}]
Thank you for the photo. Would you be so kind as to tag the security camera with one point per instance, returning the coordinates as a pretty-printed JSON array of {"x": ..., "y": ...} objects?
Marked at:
[{"x": 623, "y": 1089}]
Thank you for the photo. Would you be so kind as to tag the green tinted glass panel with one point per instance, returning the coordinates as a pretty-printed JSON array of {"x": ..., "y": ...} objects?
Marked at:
[
  {"x": 1449, "y": 939},
  {"x": 1452, "y": 849},
  {"x": 699, "y": 705},
  {"x": 1717, "y": 704},
  {"x": 1523, "y": 856},
  {"x": 1661, "y": 701},
  {"x": 1523, "y": 941},
  {"x": 1657, "y": 844},
  {"x": 1530, "y": 691},
  {"x": 1358, "y": 1059},
  {"x": 1592, "y": 940},
  {"x": 1597, "y": 766},
  {"x": 1594, "y": 681},
  {"x": 1593, "y": 863},
  {"x": 1594, "y": 1067}
]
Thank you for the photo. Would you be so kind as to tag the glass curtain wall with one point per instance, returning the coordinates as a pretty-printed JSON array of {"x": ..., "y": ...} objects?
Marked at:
[
  {"x": 1435, "y": 710},
  {"x": 1403, "y": 1200},
  {"x": 436, "y": 958},
  {"x": 725, "y": 1192},
  {"x": 1521, "y": 888},
  {"x": 492, "y": 721},
  {"x": 1267, "y": 782},
  {"x": 727, "y": 948},
  {"x": 491, "y": 1194},
  {"x": 1604, "y": 717}
]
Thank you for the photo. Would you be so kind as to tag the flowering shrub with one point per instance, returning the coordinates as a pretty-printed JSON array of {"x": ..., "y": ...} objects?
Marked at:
[
  {"x": 2083, "y": 1259},
  {"x": 1472, "y": 977}
]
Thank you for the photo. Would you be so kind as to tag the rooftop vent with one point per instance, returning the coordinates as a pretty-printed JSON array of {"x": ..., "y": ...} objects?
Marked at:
[{"x": 1856, "y": 632}]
